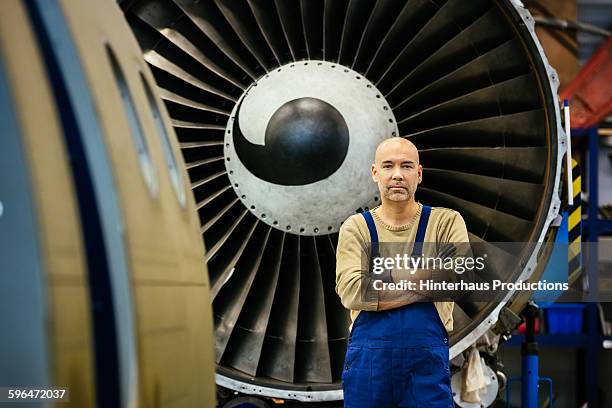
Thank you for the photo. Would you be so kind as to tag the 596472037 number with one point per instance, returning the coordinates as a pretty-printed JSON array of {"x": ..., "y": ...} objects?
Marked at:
[{"x": 33, "y": 394}]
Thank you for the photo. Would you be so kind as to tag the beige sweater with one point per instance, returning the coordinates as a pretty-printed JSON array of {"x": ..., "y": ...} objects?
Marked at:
[{"x": 445, "y": 225}]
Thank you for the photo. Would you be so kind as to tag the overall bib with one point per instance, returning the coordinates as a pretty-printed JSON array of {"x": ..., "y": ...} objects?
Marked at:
[{"x": 398, "y": 357}]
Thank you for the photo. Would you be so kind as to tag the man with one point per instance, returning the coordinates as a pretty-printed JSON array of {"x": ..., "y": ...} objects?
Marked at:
[{"x": 398, "y": 347}]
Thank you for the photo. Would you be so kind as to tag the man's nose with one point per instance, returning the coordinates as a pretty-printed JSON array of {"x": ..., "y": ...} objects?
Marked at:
[{"x": 397, "y": 174}]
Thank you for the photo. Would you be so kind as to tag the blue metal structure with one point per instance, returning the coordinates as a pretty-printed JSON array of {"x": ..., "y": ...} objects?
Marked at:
[
  {"x": 593, "y": 229},
  {"x": 589, "y": 343}
]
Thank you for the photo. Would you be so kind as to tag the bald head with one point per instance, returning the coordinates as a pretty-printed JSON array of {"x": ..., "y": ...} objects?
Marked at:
[
  {"x": 396, "y": 146},
  {"x": 396, "y": 169}
]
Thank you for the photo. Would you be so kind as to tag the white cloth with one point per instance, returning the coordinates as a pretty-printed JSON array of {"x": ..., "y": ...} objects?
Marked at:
[{"x": 473, "y": 380}]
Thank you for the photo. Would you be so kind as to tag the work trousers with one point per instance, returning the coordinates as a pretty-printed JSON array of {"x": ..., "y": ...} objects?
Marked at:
[{"x": 398, "y": 358}]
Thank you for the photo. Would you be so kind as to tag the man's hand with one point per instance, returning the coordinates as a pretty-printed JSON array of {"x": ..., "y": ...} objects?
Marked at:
[{"x": 447, "y": 250}]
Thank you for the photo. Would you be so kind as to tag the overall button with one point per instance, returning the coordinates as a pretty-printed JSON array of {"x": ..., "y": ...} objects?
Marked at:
[
  {"x": 445, "y": 340},
  {"x": 346, "y": 367}
]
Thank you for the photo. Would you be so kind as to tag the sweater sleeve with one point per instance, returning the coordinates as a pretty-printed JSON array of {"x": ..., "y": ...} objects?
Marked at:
[
  {"x": 454, "y": 229},
  {"x": 350, "y": 280}
]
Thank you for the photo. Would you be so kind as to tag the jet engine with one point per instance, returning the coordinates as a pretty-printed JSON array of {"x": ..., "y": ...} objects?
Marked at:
[{"x": 278, "y": 108}]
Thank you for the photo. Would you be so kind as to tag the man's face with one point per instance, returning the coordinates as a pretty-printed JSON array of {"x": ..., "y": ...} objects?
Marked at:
[{"x": 397, "y": 170}]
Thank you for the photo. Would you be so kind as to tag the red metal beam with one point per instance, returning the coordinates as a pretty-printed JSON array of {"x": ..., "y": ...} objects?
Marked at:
[{"x": 590, "y": 93}]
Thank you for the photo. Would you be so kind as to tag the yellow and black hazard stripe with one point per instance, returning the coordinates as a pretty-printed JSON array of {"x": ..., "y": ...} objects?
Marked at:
[{"x": 574, "y": 226}]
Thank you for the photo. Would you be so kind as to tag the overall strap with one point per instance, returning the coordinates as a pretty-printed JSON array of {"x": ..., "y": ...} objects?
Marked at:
[
  {"x": 372, "y": 228},
  {"x": 374, "y": 250},
  {"x": 420, "y": 235}
]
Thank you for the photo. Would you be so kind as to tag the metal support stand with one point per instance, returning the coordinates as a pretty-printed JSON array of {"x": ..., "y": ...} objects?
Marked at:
[{"x": 530, "y": 378}]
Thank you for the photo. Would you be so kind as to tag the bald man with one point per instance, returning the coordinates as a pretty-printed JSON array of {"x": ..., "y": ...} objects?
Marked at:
[{"x": 397, "y": 354}]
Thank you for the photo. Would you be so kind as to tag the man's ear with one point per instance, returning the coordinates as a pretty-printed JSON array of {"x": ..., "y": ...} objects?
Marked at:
[
  {"x": 374, "y": 172},
  {"x": 420, "y": 174}
]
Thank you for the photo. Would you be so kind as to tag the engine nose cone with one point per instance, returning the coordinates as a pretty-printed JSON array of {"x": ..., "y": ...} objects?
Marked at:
[
  {"x": 299, "y": 144},
  {"x": 306, "y": 141}
]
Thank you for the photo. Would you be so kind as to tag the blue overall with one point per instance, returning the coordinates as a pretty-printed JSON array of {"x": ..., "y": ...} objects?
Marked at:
[{"x": 398, "y": 357}]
